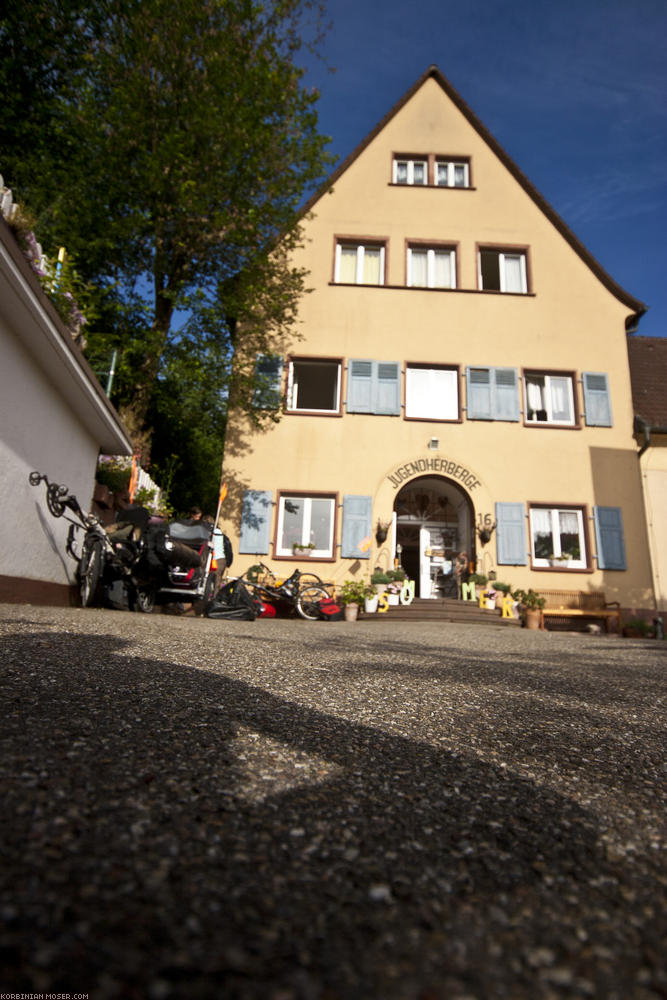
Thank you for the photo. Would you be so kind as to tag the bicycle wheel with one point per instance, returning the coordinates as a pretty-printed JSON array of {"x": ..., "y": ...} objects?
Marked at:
[
  {"x": 143, "y": 600},
  {"x": 90, "y": 567},
  {"x": 307, "y": 601},
  {"x": 309, "y": 580}
]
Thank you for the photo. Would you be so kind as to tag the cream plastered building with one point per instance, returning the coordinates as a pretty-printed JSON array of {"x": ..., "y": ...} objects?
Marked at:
[{"x": 459, "y": 383}]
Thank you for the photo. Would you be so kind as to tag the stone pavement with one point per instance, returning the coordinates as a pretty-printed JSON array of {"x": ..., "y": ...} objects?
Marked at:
[{"x": 286, "y": 810}]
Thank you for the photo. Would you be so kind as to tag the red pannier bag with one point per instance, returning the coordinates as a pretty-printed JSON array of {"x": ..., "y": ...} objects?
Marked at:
[{"x": 329, "y": 611}]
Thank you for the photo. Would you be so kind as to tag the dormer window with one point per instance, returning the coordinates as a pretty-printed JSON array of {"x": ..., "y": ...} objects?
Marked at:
[
  {"x": 452, "y": 173},
  {"x": 411, "y": 171}
]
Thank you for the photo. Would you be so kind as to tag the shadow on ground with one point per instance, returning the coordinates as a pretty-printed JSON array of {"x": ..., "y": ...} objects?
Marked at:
[{"x": 170, "y": 832}]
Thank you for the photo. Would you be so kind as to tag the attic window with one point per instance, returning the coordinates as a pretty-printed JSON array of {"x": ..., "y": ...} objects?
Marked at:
[
  {"x": 411, "y": 171},
  {"x": 502, "y": 271},
  {"x": 452, "y": 173}
]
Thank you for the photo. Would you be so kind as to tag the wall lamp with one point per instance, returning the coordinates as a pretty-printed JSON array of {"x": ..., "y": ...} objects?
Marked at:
[
  {"x": 485, "y": 533},
  {"x": 381, "y": 531}
]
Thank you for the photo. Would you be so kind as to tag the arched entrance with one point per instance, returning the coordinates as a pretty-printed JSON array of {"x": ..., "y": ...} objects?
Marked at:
[{"x": 434, "y": 522}]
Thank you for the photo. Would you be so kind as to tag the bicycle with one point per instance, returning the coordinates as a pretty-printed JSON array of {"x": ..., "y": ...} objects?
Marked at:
[{"x": 301, "y": 591}]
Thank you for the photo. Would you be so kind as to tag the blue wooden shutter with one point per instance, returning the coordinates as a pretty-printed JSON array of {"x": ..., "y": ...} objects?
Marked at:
[
  {"x": 360, "y": 387},
  {"x": 479, "y": 394},
  {"x": 388, "y": 388},
  {"x": 356, "y": 526},
  {"x": 609, "y": 537},
  {"x": 268, "y": 381},
  {"x": 597, "y": 400},
  {"x": 511, "y": 534},
  {"x": 506, "y": 394},
  {"x": 256, "y": 522}
]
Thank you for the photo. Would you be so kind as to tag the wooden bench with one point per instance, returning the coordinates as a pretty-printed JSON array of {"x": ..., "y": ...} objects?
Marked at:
[{"x": 582, "y": 604}]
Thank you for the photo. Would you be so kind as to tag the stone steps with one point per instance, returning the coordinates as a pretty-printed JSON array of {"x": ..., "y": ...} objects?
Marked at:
[{"x": 442, "y": 609}]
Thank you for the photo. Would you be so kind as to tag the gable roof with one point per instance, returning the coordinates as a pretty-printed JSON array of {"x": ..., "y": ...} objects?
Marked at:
[
  {"x": 648, "y": 375},
  {"x": 638, "y": 308}
]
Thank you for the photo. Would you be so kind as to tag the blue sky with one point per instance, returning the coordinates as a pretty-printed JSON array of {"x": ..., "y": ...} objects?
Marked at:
[{"x": 575, "y": 91}]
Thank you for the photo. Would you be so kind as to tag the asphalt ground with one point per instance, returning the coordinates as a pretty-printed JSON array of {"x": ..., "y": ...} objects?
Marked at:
[{"x": 286, "y": 810}]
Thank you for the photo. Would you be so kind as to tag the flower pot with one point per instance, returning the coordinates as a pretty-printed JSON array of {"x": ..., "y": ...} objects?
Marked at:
[
  {"x": 351, "y": 612},
  {"x": 393, "y": 599},
  {"x": 533, "y": 618},
  {"x": 371, "y": 604}
]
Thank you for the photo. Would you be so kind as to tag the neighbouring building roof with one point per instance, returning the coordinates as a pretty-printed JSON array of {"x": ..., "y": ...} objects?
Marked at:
[
  {"x": 638, "y": 307},
  {"x": 648, "y": 374},
  {"x": 33, "y": 316}
]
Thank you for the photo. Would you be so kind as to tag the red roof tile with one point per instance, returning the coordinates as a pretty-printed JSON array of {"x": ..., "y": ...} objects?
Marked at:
[{"x": 648, "y": 373}]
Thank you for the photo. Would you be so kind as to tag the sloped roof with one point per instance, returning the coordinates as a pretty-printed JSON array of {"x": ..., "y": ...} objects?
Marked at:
[
  {"x": 32, "y": 316},
  {"x": 648, "y": 374},
  {"x": 638, "y": 308}
]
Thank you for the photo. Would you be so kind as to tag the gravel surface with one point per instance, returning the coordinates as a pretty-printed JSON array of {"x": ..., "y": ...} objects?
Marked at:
[{"x": 286, "y": 810}]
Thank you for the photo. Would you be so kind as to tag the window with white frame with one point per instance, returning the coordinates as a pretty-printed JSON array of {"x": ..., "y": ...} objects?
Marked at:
[
  {"x": 431, "y": 267},
  {"x": 410, "y": 171},
  {"x": 557, "y": 537},
  {"x": 502, "y": 270},
  {"x": 305, "y": 521},
  {"x": 431, "y": 392},
  {"x": 452, "y": 173},
  {"x": 549, "y": 399},
  {"x": 359, "y": 263},
  {"x": 313, "y": 385}
]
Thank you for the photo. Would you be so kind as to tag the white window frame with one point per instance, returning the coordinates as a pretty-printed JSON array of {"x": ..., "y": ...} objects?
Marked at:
[
  {"x": 413, "y": 396},
  {"x": 293, "y": 388},
  {"x": 283, "y": 550},
  {"x": 410, "y": 165},
  {"x": 503, "y": 257},
  {"x": 553, "y": 514},
  {"x": 360, "y": 250},
  {"x": 451, "y": 173},
  {"x": 547, "y": 399},
  {"x": 430, "y": 265}
]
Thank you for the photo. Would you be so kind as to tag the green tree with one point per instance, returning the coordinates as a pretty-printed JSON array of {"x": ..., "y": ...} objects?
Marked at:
[{"x": 168, "y": 146}]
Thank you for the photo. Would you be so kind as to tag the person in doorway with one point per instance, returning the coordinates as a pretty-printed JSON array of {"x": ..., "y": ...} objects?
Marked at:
[{"x": 462, "y": 569}]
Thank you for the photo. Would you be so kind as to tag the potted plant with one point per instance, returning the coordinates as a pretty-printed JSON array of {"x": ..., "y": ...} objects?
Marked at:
[
  {"x": 531, "y": 607},
  {"x": 478, "y": 578},
  {"x": 637, "y": 628},
  {"x": 352, "y": 594},
  {"x": 371, "y": 599},
  {"x": 302, "y": 550},
  {"x": 379, "y": 580}
]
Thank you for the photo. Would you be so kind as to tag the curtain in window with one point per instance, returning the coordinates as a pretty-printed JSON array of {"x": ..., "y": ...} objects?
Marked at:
[
  {"x": 418, "y": 173},
  {"x": 419, "y": 267},
  {"x": 568, "y": 522},
  {"x": 442, "y": 276},
  {"x": 513, "y": 273},
  {"x": 459, "y": 175},
  {"x": 535, "y": 401},
  {"x": 540, "y": 521},
  {"x": 320, "y": 523},
  {"x": 443, "y": 169},
  {"x": 401, "y": 173},
  {"x": 371, "y": 267},
  {"x": 560, "y": 399},
  {"x": 347, "y": 271},
  {"x": 292, "y": 526}
]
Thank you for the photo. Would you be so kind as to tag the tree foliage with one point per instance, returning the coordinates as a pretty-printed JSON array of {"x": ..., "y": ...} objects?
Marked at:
[{"x": 168, "y": 146}]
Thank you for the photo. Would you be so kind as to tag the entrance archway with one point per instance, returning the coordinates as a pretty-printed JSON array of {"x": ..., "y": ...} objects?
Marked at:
[{"x": 434, "y": 522}]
